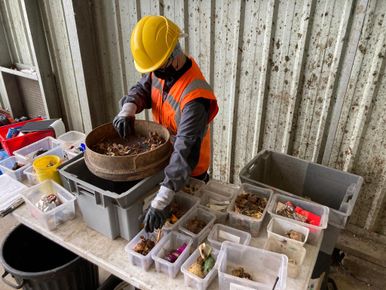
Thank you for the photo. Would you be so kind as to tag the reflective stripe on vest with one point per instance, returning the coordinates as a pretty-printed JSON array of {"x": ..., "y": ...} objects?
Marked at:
[{"x": 196, "y": 84}]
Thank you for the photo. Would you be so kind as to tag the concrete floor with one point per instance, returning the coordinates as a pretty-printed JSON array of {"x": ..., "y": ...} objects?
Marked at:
[{"x": 343, "y": 280}]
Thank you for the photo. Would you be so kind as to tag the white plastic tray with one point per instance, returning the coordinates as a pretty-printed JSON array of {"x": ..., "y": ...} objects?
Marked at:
[
  {"x": 10, "y": 191},
  {"x": 194, "y": 281},
  {"x": 221, "y": 233},
  {"x": 248, "y": 223},
  {"x": 7, "y": 164},
  {"x": 204, "y": 215},
  {"x": 277, "y": 228},
  {"x": 138, "y": 259},
  {"x": 264, "y": 266},
  {"x": 321, "y": 210},
  {"x": 50, "y": 219},
  {"x": 28, "y": 153},
  {"x": 171, "y": 242}
]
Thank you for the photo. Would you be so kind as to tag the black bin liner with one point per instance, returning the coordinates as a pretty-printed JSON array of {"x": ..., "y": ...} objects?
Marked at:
[{"x": 36, "y": 262}]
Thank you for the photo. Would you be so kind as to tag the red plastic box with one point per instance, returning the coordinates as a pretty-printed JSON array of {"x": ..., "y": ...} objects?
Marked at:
[{"x": 12, "y": 144}]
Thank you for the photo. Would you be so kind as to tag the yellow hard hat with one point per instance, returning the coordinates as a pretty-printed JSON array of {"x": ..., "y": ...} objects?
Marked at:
[{"x": 152, "y": 41}]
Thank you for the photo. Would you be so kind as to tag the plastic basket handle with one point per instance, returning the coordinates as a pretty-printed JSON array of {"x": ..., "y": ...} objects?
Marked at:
[{"x": 15, "y": 286}]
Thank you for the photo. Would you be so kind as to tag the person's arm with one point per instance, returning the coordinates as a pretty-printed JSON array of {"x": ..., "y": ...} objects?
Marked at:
[
  {"x": 186, "y": 153},
  {"x": 138, "y": 98},
  {"x": 185, "y": 156},
  {"x": 139, "y": 94}
]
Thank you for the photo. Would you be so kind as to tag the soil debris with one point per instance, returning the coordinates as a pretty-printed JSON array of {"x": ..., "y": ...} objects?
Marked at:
[
  {"x": 240, "y": 272},
  {"x": 294, "y": 235},
  {"x": 250, "y": 205},
  {"x": 195, "y": 225}
]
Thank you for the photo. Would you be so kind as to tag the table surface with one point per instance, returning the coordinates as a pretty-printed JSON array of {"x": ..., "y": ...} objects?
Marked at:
[{"x": 110, "y": 255}]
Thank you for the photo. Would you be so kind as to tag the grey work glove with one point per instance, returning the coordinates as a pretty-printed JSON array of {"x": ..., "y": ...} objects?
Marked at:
[
  {"x": 124, "y": 121},
  {"x": 159, "y": 211}
]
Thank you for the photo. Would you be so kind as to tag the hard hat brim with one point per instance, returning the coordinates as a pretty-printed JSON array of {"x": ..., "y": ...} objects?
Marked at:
[{"x": 158, "y": 64}]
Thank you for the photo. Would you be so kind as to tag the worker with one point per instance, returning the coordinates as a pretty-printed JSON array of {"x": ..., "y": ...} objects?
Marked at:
[{"x": 181, "y": 100}]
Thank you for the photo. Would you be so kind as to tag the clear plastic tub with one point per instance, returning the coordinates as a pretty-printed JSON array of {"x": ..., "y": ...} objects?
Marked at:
[
  {"x": 217, "y": 204},
  {"x": 320, "y": 210},
  {"x": 289, "y": 175},
  {"x": 71, "y": 138},
  {"x": 222, "y": 188},
  {"x": 10, "y": 190},
  {"x": 193, "y": 187},
  {"x": 138, "y": 259},
  {"x": 6, "y": 167},
  {"x": 194, "y": 281},
  {"x": 203, "y": 215},
  {"x": 327, "y": 186},
  {"x": 52, "y": 218},
  {"x": 221, "y": 233},
  {"x": 31, "y": 175},
  {"x": 265, "y": 267},
  {"x": 277, "y": 228},
  {"x": 188, "y": 203},
  {"x": 72, "y": 154},
  {"x": 28, "y": 153},
  {"x": 58, "y": 151},
  {"x": 244, "y": 222},
  {"x": 295, "y": 253},
  {"x": 171, "y": 242}
]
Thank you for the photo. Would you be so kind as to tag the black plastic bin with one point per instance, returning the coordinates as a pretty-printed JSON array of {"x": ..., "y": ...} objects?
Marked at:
[
  {"x": 36, "y": 262},
  {"x": 293, "y": 176}
]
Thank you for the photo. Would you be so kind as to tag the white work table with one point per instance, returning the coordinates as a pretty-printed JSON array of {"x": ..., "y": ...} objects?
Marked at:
[{"x": 110, "y": 255}]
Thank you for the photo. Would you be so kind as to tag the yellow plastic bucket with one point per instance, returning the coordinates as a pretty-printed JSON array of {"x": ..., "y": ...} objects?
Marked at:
[{"x": 46, "y": 168}]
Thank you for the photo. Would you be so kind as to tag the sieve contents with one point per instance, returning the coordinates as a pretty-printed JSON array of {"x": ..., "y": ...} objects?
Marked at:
[{"x": 121, "y": 147}]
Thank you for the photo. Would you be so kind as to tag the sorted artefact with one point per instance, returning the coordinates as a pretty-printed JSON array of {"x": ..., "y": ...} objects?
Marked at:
[
  {"x": 145, "y": 245},
  {"x": 176, "y": 212},
  {"x": 39, "y": 152},
  {"x": 295, "y": 235},
  {"x": 122, "y": 147},
  {"x": 195, "y": 225},
  {"x": 292, "y": 211},
  {"x": 173, "y": 255},
  {"x": 204, "y": 263},
  {"x": 17, "y": 165},
  {"x": 48, "y": 202},
  {"x": 250, "y": 205},
  {"x": 191, "y": 188},
  {"x": 240, "y": 272}
]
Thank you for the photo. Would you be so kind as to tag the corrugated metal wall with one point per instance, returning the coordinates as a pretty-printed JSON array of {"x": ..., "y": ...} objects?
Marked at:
[{"x": 302, "y": 77}]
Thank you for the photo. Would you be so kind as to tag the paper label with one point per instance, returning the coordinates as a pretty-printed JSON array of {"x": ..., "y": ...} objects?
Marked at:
[
  {"x": 228, "y": 237},
  {"x": 234, "y": 286}
]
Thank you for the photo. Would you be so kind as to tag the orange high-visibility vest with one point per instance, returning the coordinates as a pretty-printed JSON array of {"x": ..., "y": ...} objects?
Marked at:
[{"x": 191, "y": 85}]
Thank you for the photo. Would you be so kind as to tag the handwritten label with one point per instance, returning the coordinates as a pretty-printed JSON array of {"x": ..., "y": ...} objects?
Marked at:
[
  {"x": 229, "y": 237},
  {"x": 234, "y": 286}
]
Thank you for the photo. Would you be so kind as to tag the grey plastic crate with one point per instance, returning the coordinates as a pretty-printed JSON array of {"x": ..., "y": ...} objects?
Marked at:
[
  {"x": 111, "y": 208},
  {"x": 293, "y": 176}
]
